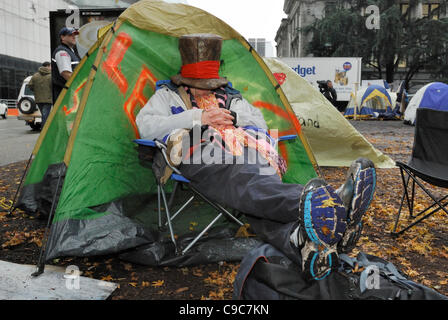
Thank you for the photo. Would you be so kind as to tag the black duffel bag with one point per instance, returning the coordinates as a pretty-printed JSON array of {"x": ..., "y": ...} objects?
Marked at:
[{"x": 266, "y": 274}]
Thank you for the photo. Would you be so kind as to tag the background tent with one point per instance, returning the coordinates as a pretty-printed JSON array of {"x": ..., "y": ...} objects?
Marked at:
[
  {"x": 433, "y": 96},
  {"x": 368, "y": 100},
  {"x": 106, "y": 202},
  {"x": 334, "y": 141}
]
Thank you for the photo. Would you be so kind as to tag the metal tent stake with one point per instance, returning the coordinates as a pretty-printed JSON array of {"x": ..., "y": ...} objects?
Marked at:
[
  {"x": 41, "y": 262},
  {"x": 12, "y": 208}
]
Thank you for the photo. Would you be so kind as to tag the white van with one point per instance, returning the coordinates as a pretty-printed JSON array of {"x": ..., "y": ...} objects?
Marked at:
[
  {"x": 27, "y": 107},
  {"x": 3, "y": 109}
]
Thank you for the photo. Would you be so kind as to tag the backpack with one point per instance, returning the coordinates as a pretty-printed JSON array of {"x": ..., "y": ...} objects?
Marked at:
[{"x": 267, "y": 274}]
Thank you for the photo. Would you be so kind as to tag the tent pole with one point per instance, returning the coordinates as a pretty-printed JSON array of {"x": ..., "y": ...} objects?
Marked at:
[
  {"x": 12, "y": 208},
  {"x": 41, "y": 262},
  {"x": 356, "y": 102}
]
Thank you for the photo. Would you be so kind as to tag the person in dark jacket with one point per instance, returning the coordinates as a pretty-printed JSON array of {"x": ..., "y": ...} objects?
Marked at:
[
  {"x": 64, "y": 60},
  {"x": 40, "y": 84},
  {"x": 330, "y": 93}
]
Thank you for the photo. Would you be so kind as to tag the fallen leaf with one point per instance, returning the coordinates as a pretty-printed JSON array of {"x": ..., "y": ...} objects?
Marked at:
[
  {"x": 197, "y": 273},
  {"x": 182, "y": 290},
  {"x": 127, "y": 266},
  {"x": 107, "y": 278},
  {"x": 158, "y": 283}
]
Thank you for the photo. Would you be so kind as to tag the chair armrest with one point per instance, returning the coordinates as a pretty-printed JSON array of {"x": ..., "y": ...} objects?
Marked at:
[
  {"x": 148, "y": 143},
  {"x": 156, "y": 145},
  {"x": 289, "y": 137},
  {"x": 151, "y": 143}
]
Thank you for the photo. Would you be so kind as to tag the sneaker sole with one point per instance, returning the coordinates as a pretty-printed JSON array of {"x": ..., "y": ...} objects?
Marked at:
[
  {"x": 323, "y": 219},
  {"x": 365, "y": 183}
]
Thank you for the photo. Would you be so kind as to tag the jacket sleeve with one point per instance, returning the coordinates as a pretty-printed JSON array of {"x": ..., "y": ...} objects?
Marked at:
[
  {"x": 247, "y": 114},
  {"x": 334, "y": 94},
  {"x": 155, "y": 120}
]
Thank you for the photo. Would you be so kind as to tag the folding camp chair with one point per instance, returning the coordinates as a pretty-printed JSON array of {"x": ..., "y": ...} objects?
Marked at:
[
  {"x": 177, "y": 177},
  {"x": 428, "y": 163}
]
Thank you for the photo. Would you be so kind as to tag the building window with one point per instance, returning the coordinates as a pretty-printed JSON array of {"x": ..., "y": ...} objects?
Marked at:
[
  {"x": 402, "y": 63},
  {"x": 431, "y": 10},
  {"x": 404, "y": 8}
]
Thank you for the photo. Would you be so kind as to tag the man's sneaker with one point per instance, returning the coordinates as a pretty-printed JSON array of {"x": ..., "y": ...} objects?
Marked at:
[
  {"x": 321, "y": 227},
  {"x": 356, "y": 194}
]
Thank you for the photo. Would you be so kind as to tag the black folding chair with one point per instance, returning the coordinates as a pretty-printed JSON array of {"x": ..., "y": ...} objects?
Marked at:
[{"x": 428, "y": 163}]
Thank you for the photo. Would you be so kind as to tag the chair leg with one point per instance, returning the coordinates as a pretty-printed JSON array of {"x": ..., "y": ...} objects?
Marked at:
[
  {"x": 405, "y": 190},
  {"x": 441, "y": 206},
  {"x": 181, "y": 208},
  {"x": 431, "y": 196},
  {"x": 230, "y": 216},
  {"x": 394, "y": 231},
  {"x": 421, "y": 219},
  {"x": 158, "y": 207},
  {"x": 168, "y": 218},
  {"x": 411, "y": 208},
  {"x": 217, "y": 206},
  {"x": 222, "y": 211},
  {"x": 410, "y": 202},
  {"x": 201, "y": 234}
]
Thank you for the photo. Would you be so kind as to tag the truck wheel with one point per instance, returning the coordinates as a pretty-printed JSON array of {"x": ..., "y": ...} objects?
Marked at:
[{"x": 27, "y": 105}]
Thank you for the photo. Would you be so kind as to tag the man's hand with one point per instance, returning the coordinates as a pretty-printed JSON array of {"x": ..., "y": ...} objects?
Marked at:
[{"x": 217, "y": 117}]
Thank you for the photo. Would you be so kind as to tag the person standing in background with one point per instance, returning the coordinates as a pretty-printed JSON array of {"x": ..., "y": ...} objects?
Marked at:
[
  {"x": 64, "y": 60},
  {"x": 331, "y": 94},
  {"x": 40, "y": 84}
]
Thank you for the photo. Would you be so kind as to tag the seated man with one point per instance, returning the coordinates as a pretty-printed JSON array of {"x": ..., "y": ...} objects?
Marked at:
[{"x": 230, "y": 163}]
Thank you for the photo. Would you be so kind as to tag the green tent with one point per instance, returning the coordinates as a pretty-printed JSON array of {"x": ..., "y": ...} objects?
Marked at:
[{"x": 105, "y": 201}]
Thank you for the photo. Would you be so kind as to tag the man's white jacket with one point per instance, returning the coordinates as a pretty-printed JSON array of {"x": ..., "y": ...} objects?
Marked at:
[{"x": 165, "y": 112}]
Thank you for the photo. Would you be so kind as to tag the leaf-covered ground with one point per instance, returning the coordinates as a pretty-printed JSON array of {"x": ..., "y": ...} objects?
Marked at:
[{"x": 421, "y": 253}]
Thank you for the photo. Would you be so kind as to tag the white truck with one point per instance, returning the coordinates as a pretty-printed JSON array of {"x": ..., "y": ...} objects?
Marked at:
[
  {"x": 27, "y": 107},
  {"x": 344, "y": 72}
]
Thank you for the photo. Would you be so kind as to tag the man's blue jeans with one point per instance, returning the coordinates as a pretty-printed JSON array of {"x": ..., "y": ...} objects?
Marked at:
[{"x": 44, "y": 109}]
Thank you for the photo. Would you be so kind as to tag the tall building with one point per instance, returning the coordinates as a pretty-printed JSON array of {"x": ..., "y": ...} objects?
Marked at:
[
  {"x": 264, "y": 48},
  {"x": 291, "y": 42},
  {"x": 259, "y": 44}
]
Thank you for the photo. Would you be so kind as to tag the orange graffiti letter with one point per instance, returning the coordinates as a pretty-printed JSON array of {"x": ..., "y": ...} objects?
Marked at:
[
  {"x": 137, "y": 97},
  {"x": 76, "y": 99},
  {"x": 110, "y": 65}
]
